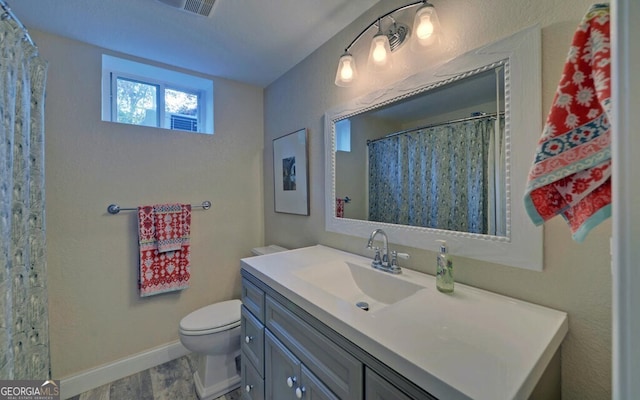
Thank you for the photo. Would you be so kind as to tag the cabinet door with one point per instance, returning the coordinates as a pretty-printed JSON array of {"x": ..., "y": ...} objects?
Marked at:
[
  {"x": 282, "y": 370},
  {"x": 311, "y": 388},
  {"x": 252, "y": 383},
  {"x": 335, "y": 367},
  {"x": 252, "y": 339},
  {"x": 378, "y": 388}
]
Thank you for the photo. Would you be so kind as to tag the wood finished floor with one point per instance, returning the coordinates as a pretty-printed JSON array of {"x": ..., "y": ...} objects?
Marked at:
[{"x": 170, "y": 381}]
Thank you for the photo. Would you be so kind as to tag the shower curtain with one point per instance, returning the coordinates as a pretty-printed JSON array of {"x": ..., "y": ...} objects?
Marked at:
[
  {"x": 24, "y": 336},
  {"x": 436, "y": 177}
]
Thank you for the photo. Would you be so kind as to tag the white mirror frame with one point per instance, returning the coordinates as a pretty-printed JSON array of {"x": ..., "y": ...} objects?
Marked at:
[{"x": 523, "y": 245}]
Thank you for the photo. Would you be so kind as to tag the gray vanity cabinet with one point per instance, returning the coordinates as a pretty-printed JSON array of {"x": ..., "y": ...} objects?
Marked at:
[
  {"x": 378, "y": 388},
  {"x": 287, "y": 378},
  {"x": 252, "y": 382},
  {"x": 313, "y": 389},
  {"x": 282, "y": 370},
  {"x": 252, "y": 332},
  {"x": 252, "y": 365},
  {"x": 253, "y": 299},
  {"x": 252, "y": 339},
  {"x": 338, "y": 370},
  {"x": 289, "y": 354}
]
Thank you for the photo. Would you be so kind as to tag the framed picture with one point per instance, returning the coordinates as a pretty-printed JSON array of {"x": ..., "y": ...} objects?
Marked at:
[{"x": 291, "y": 173}]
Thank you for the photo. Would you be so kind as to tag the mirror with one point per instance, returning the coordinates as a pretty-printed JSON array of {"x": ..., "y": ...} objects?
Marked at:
[
  {"x": 443, "y": 155},
  {"x": 443, "y": 149}
]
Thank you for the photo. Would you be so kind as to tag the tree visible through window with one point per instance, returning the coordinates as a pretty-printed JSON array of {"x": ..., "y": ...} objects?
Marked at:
[
  {"x": 137, "y": 102},
  {"x": 178, "y": 102},
  {"x": 140, "y": 94}
]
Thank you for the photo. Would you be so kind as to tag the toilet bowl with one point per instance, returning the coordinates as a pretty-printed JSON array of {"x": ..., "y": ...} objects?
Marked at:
[{"x": 213, "y": 332}]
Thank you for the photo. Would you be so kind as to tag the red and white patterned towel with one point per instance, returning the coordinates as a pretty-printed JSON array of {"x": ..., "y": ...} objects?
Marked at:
[
  {"x": 340, "y": 208},
  {"x": 571, "y": 173},
  {"x": 161, "y": 272},
  {"x": 168, "y": 222}
]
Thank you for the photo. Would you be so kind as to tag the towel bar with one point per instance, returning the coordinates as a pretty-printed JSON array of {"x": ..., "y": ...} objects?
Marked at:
[{"x": 115, "y": 209}]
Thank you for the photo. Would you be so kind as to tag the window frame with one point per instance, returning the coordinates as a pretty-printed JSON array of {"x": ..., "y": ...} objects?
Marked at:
[{"x": 114, "y": 68}]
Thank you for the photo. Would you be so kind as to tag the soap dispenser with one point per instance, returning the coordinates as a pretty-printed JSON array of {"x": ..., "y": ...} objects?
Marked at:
[{"x": 444, "y": 272}]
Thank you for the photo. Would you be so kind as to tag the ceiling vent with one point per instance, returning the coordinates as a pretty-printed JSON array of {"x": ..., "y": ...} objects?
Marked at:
[{"x": 200, "y": 7}]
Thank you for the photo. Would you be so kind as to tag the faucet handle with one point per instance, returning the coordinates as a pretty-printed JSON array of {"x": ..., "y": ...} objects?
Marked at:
[
  {"x": 395, "y": 255},
  {"x": 377, "y": 260}
]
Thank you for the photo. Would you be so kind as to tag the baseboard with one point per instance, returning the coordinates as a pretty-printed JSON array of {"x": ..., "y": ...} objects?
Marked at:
[{"x": 104, "y": 374}]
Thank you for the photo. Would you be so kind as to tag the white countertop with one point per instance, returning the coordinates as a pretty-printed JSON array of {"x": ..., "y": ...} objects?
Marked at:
[{"x": 468, "y": 344}]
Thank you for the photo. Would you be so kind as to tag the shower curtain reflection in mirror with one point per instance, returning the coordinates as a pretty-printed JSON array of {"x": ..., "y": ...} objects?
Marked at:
[{"x": 441, "y": 177}]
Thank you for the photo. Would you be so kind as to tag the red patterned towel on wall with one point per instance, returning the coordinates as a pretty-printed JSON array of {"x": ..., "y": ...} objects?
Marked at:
[
  {"x": 169, "y": 227},
  {"x": 340, "y": 208},
  {"x": 571, "y": 173},
  {"x": 161, "y": 272}
]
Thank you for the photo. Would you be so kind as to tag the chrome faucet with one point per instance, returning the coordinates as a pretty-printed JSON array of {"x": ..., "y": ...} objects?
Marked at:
[{"x": 382, "y": 262}]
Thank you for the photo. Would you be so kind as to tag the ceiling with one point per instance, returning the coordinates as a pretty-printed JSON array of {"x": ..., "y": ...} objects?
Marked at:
[{"x": 252, "y": 41}]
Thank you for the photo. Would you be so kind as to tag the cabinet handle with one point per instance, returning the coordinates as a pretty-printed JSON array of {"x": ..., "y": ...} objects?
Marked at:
[
  {"x": 300, "y": 392},
  {"x": 290, "y": 381},
  {"x": 248, "y": 388},
  {"x": 248, "y": 339}
]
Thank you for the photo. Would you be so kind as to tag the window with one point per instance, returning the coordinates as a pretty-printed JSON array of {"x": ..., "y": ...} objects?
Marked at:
[
  {"x": 140, "y": 94},
  {"x": 343, "y": 135}
]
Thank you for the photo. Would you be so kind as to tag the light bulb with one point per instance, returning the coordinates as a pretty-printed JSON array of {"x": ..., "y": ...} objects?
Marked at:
[
  {"x": 380, "y": 53},
  {"x": 347, "y": 71},
  {"x": 425, "y": 28}
]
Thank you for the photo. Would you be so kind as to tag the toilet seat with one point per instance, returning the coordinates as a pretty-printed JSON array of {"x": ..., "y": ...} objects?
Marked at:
[{"x": 213, "y": 318}]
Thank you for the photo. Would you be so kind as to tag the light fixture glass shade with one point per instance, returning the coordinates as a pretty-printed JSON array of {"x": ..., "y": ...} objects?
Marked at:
[
  {"x": 380, "y": 53},
  {"x": 426, "y": 27},
  {"x": 347, "y": 72}
]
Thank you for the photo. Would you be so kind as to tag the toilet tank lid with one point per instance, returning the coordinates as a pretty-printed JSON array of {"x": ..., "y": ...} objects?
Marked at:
[
  {"x": 258, "y": 251},
  {"x": 212, "y": 316}
]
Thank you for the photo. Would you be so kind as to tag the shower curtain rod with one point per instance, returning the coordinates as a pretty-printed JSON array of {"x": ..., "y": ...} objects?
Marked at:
[
  {"x": 7, "y": 13},
  {"x": 453, "y": 121}
]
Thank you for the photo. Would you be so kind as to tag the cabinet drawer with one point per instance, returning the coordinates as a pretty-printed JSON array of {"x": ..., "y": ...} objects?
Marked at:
[
  {"x": 253, "y": 299},
  {"x": 252, "y": 339},
  {"x": 252, "y": 383},
  {"x": 337, "y": 369}
]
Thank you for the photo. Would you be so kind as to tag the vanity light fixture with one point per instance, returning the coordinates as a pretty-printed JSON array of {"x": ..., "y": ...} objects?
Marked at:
[{"x": 426, "y": 29}]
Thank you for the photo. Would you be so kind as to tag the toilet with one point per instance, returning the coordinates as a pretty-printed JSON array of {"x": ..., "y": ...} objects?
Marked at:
[{"x": 213, "y": 332}]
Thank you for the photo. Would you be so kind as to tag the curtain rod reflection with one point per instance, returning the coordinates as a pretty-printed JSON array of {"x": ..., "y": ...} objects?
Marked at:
[{"x": 453, "y": 121}]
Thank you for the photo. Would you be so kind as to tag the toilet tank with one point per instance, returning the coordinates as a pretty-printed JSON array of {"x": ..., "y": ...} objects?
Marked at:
[{"x": 259, "y": 251}]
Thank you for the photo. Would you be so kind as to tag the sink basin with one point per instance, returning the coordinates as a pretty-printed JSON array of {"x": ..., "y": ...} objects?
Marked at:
[{"x": 357, "y": 283}]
